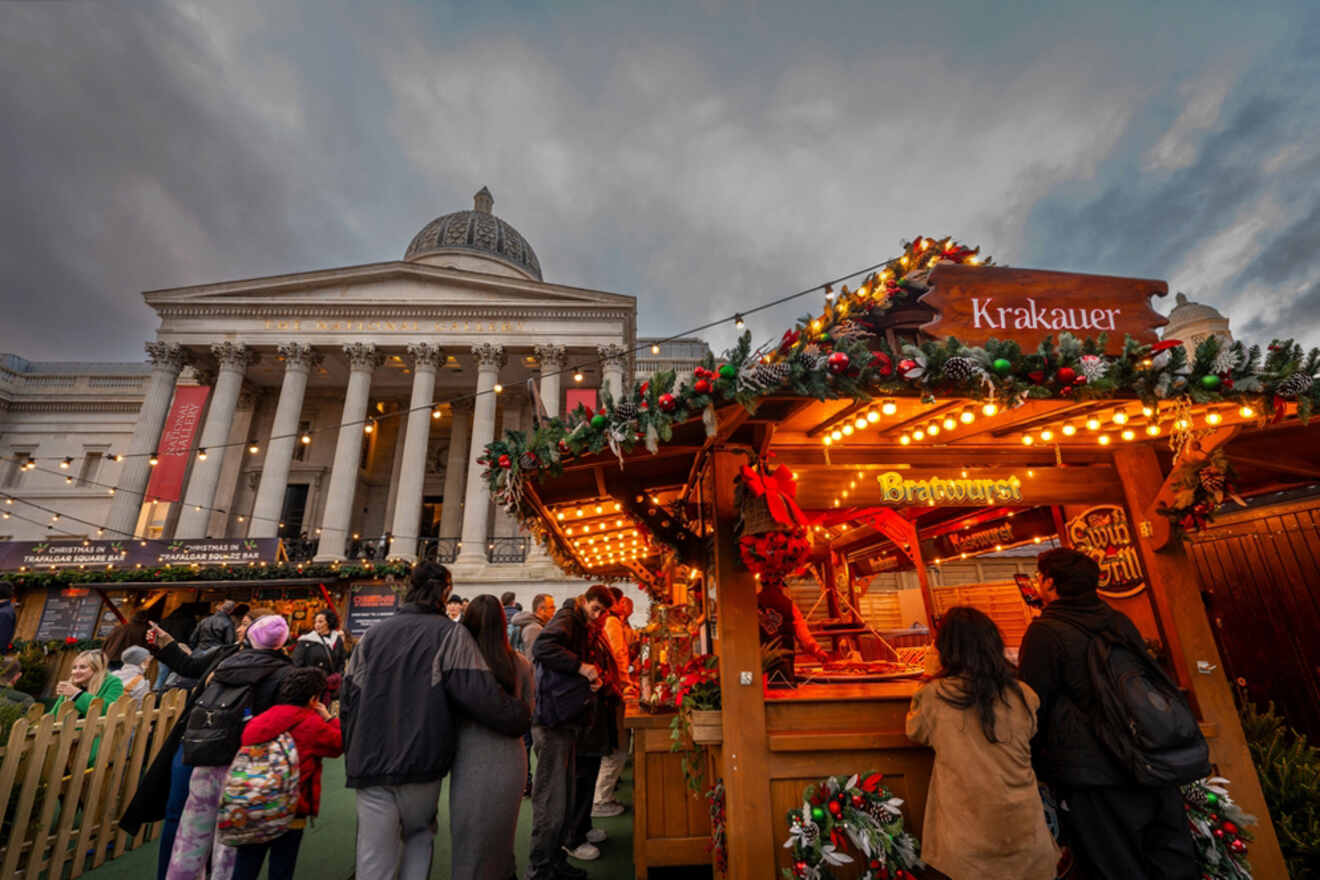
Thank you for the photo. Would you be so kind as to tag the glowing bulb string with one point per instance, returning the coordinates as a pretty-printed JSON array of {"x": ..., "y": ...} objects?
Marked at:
[{"x": 575, "y": 369}]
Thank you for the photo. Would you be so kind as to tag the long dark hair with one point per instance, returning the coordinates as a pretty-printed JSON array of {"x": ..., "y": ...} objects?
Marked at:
[
  {"x": 484, "y": 618},
  {"x": 972, "y": 650}
]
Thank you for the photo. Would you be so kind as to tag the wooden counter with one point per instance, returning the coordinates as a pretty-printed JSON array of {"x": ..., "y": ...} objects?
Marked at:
[{"x": 671, "y": 825}]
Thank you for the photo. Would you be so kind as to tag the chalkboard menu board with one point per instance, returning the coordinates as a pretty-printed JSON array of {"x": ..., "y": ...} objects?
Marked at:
[
  {"x": 109, "y": 620},
  {"x": 369, "y": 604},
  {"x": 69, "y": 612}
]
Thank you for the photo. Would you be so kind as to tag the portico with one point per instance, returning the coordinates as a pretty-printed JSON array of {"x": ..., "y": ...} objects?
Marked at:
[{"x": 373, "y": 391}]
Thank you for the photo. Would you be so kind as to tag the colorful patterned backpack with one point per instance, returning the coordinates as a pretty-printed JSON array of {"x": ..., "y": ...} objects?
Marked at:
[{"x": 260, "y": 796}]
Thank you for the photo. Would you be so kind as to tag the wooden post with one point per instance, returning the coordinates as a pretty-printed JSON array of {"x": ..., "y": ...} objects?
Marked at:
[
  {"x": 1177, "y": 594},
  {"x": 746, "y": 746}
]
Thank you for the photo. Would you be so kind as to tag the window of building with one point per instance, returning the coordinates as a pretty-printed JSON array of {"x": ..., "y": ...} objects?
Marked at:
[{"x": 91, "y": 468}]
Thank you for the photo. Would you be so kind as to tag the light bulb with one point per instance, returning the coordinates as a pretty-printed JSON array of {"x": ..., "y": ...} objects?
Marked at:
[
  {"x": 306, "y": 439},
  {"x": 932, "y": 429},
  {"x": 989, "y": 409},
  {"x": 1128, "y": 434},
  {"x": 967, "y": 416},
  {"x": 904, "y": 440},
  {"x": 827, "y": 439},
  {"x": 1246, "y": 411},
  {"x": 950, "y": 423},
  {"x": 1120, "y": 417},
  {"x": 1153, "y": 430},
  {"x": 201, "y": 454},
  {"x": 655, "y": 349},
  {"x": 889, "y": 407},
  {"x": 738, "y": 321},
  {"x": 1147, "y": 411},
  {"x": 918, "y": 434},
  {"x": 872, "y": 416},
  {"x": 1213, "y": 418},
  {"x": 847, "y": 430},
  {"x": 577, "y": 377},
  {"x": 498, "y": 388},
  {"x": 1027, "y": 439},
  {"x": 860, "y": 423},
  {"x": 254, "y": 449},
  {"x": 1069, "y": 429},
  {"x": 1092, "y": 424},
  {"x": 1103, "y": 439},
  {"x": 1046, "y": 435}
]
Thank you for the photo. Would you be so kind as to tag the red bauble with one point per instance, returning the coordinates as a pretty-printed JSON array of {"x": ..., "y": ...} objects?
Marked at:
[
  {"x": 835, "y": 809},
  {"x": 645, "y": 387},
  {"x": 1218, "y": 832},
  {"x": 1230, "y": 828},
  {"x": 505, "y": 461},
  {"x": 882, "y": 364},
  {"x": 906, "y": 366},
  {"x": 1066, "y": 375},
  {"x": 874, "y": 864},
  {"x": 838, "y": 362},
  {"x": 858, "y": 801},
  {"x": 701, "y": 386},
  {"x": 800, "y": 868},
  {"x": 667, "y": 402},
  {"x": 1037, "y": 376},
  {"x": 1238, "y": 847}
]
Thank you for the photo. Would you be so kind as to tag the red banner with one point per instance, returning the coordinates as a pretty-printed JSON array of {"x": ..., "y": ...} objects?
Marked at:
[
  {"x": 176, "y": 443},
  {"x": 575, "y": 396}
]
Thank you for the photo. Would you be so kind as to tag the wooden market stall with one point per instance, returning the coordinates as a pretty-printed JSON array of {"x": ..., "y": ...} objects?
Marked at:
[{"x": 905, "y": 463}]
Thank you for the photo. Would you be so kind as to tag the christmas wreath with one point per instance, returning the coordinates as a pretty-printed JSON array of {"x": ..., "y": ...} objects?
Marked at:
[
  {"x": 1201, "y": 487},
  {"x": 1219, "y": 829},
  {"x": 857, "y": 811},
  {"x": 774, "y": 554}
]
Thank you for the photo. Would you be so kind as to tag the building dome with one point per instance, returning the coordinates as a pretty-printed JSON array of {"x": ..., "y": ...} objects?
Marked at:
[
  {"x": 1193, "y": 322},
  {"x": 476, "y": 233}
]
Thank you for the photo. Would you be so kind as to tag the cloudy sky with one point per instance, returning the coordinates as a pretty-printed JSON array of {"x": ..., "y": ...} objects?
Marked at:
[{"x": 704, "y": 159}]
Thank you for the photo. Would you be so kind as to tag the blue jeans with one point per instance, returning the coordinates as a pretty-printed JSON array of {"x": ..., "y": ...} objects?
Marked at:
[
  {"x": 283, "y": 856},
  {"x": 180, "y": 776},
  {"x": 163, "y": 672}
]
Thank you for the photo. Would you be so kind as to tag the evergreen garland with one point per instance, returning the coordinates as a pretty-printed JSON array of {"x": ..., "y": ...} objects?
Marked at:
[
  {"x": 1219, "y": 829},
  {"x": 67, "y": 577}
]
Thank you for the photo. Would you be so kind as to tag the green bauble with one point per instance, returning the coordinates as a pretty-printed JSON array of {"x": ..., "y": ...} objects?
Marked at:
[
  {"x": 1210, "y": 382},
  {"x": 1002, "y": 365},
  {"x": 1211, "y": 799},
  {"x": 728, "y": 371},
  {"x": 825, "y": 337},
  {"x": 818, "y": 814},
  {"x": 598, "y": 422}
]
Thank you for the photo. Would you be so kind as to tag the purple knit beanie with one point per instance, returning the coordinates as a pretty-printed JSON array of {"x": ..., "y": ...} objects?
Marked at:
[{"x": 271, "y": 631}]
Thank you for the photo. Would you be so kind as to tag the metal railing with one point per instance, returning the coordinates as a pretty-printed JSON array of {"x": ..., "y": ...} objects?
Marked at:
[
  {"x": 369, "y": 548},
  {"x": 506, "y": 550},
  {"x": 439, "y": 549}
]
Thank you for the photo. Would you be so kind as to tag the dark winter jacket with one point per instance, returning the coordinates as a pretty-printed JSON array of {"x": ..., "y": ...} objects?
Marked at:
[
  {"x": 216, "y": 630},
  {"x": 148, "y": 803},
  {"x": 1053, "y": 661},
  {"x": 261, "y": 668},
  {"x": 524, "y": 628},
  {"x": 406, "y": 682},
  {"x": 314, "y": 737},
  {"x": 326, "y": 654},
  {"x": 8, "y": 619},
  {"x": 562, "y": 647}
]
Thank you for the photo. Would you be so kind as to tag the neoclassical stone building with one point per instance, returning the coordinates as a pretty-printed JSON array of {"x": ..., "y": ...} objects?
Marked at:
[{"x": 346, "y": 408}]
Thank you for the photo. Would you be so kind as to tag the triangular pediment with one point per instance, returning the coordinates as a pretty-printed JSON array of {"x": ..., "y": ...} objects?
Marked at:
[{"x": 387, "y": 284}]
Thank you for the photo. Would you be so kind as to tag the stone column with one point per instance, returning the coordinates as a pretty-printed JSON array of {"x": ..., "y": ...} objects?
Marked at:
[
  {"x": 195, "y": 517},
  {"x": 166, "y": 362},
  {"x": 476, "y": 504},
  {"x": 613, "y": 359},
  {"x": 412, "y": 470},
  {"x": 451, "y": 515},
  {"x": 553, "y": 361},
  {"x": 266, "y": 509},
  {"x": 363, "y": 359}
]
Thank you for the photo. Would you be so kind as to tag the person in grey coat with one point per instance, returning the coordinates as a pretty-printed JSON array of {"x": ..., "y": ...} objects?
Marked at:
[{"x": 486, "y": 782}]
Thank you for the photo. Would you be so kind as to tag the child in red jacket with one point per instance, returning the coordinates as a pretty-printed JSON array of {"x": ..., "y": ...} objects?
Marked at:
[{"x": 299, "y": 712}]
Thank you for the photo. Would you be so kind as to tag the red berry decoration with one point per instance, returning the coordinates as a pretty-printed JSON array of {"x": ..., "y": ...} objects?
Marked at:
[
  {"x": 838, "y": 362},
  {"x": 858, "y": 801},
  {"x": 882, "y": 364},
  {"x": 505, "y": 461},
  {"x": 1066, "y": 375},
  {"x": 667, "y": 402},
  {"x": 701, "y": 386}
]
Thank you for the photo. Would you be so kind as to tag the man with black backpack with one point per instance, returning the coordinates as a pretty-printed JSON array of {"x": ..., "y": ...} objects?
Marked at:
[{"x": 1116, "y": 737}]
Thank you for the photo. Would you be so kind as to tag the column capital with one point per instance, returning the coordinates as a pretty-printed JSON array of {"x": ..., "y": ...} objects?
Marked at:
[
  {"x": 200, "y": 375},
  {"x": 463, "y": 406},
  {"x": 233, "y": 356},
  {"x": 489, "y": 355},
  {"x": 298, "y": 356},
  {"x": 168, "y": 355},
  {"x": 426, "y": 355},
  {"x": 612, "y": 356},
  {"x": 552, "y": 358},
  {"x": 363, "y": 356}
]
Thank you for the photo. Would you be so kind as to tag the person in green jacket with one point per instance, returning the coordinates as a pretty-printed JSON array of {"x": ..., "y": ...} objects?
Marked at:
[{"x": 88, "y": 680}]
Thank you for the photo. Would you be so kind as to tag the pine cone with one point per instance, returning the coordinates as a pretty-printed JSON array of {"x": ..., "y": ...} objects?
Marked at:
[
  {"x": 527, "y": 461},
  {"x": 625, "y": 410},
  {"x": 810, "y": 833},
  {"x": 773, "y": 375},
  {"x": 959, "y": 369},
  {"x": 1294, "y": 386},
  {"x": 1213, "y": 480},
  {"x": 806, "y": 357}
]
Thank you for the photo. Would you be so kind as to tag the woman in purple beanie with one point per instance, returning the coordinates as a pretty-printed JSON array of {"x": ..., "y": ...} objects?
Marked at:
[{"x": 259, "y": 667}]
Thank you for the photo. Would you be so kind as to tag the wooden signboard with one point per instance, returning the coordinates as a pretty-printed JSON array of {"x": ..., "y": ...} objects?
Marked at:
[{"x": 977, "y": 303}]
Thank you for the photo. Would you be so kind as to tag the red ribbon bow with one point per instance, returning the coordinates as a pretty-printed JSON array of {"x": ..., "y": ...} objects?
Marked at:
[{"x": 779, "y": 487}]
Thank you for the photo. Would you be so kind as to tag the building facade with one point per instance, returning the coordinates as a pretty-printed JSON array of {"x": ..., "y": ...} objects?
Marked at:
[{"x": 344, "y": 410}]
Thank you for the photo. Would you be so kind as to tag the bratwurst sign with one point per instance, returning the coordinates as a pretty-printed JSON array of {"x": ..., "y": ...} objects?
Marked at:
[{"x": 977, "y": 303}]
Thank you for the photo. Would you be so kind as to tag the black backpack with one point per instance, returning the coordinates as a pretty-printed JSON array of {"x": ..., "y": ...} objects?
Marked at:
[
  {"x": 215, "y": 725},
  {"x": 1141, "y": 717}
]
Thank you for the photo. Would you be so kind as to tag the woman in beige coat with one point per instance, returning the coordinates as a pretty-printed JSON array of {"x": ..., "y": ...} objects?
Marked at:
[{"x": 984, "y": 816}]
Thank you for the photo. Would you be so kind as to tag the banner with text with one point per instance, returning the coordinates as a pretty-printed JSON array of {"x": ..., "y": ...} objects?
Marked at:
[
  {"x": 23, "y": 555},
  {"x": 176, "y": 443}
]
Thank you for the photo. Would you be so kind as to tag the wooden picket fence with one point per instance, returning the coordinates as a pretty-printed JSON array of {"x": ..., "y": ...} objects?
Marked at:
[{"x": 60, "y": 813}]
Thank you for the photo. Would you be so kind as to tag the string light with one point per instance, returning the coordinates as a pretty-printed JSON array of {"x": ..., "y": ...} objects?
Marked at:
[
  {"x": 872, "y": 416},
  {"x": 989, "y": 409},
  {"x": 1046, "y": 435},
  {"x": 918, "y": 434},
  {"x": 306, "y": 439},
  {"x": 1092, "y": 423},
  {"x": 889, "y": 407},
  {"x": 1128, "y": 434},
  {"x": 1213, "y": 418},
  {"x": 933, "y": 428},
  {"x": 65, "y": 462},
  {"x": 1153, "y": 430},
  {"x": 950, "y": 423},
  {"x": 904, "y": 440},
  {"x": 739, "y": 322},
  {"x": 1120, "y": 417},
  {"x": 577, "y": 377},
  {"x": 1103, "y": 440},
  {"x": 369, "y": 426},
  {"x": 498, "y": 389},
  {"x": 201, "y": 453},
  {"x": 1068, "y": 429},
  {"x": 435, "y": 413},
  {"x": 967, "y": 416},
  {"x": 1027, "y": 439},
  {"x": 253, "y": 449},
  {"x": 655, "y": 349},
  {"x": 153, "y": 460},
  {"x": 1246, "y": 411},
  {"x": 861, "y": 423}
]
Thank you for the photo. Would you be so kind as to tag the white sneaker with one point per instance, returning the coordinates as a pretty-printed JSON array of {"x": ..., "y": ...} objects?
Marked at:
[
  {"x": 606, "y": 809},
  {"x": 596, "y": 835},
  {"x": 584, "y": 853}
]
